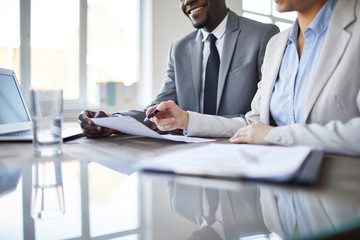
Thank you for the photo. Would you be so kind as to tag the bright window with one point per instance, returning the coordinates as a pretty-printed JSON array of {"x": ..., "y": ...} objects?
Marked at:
[
  {"x": 75, "y": 45},
  {"x": 10, "y": 35},
  {"x": 55, "y": 45},
  {"x": 265, "y": 11},
  {"x": 112, "y": 47}
]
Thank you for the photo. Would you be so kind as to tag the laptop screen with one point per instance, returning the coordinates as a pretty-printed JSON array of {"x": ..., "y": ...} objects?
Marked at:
[{"x": 12, "y": 106}]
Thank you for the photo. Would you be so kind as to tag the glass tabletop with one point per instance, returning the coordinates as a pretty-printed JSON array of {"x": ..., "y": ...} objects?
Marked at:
[{"x": 89, "y": 200}]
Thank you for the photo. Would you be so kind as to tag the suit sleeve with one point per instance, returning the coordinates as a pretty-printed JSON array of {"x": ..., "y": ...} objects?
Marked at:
[
  {"x": 168, "y": 90},
  {"x": 203, "y": 125},
  {"x": 334, "y": 137}
]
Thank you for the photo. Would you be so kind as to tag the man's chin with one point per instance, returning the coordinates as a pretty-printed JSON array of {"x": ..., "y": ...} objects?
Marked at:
[{"x": 199, "y": 25}]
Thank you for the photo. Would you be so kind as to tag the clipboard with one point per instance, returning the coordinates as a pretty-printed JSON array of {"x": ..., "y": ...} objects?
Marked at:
[
  {"x": 305, "y": 174},
  {"x": 310, "y": 171}
]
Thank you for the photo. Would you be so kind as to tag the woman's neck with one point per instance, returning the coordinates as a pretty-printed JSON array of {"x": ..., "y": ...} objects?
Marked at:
[{"x": 305, "y": 17}]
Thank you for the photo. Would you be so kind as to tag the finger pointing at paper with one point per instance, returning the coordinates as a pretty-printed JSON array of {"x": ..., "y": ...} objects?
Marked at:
[{"x": 170, "y": 116}]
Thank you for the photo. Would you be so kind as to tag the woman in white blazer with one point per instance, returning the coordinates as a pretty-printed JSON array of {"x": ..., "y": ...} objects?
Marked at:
[{"x": 324, "y": 105}]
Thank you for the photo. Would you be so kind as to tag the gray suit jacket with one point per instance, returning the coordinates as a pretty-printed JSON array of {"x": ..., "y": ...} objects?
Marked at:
[
  {"x": 240, "y": 68},
  {"x": 332, "y": 111}
]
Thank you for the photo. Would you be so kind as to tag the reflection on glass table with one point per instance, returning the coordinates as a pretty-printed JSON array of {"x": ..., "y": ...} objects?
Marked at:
[
  {"x": 261, "y": 211},
  {"x": 47, "y": 199},
  {"x": 9, "y": 178},
  {"x": 11, "y": 219},
  {"x": 100, "y": 203}
]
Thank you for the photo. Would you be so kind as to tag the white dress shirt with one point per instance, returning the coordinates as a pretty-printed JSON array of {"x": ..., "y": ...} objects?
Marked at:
[{"x": 219, "y": 33}]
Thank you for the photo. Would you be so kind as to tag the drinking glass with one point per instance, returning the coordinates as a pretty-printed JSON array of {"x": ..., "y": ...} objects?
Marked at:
[{"x": 47, "y": 114}]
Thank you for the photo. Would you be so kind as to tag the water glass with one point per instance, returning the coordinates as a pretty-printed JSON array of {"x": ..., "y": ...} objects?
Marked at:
[{"x": 47, "y": 114}]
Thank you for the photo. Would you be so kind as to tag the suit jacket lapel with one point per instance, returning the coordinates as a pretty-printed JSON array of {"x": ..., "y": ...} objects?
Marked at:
[
  {"x": 270, "y": 70},
  {"x": 333, "y": 48},
  {"x": 230, "y": 39},
  {"x": 196, "y": 65}
]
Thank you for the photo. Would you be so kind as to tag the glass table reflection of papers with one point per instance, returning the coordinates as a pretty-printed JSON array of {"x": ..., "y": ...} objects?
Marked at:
[{"x": 101, "y": 199}]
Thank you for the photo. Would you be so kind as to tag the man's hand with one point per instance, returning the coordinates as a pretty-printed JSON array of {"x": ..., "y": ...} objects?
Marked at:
[
  {"x": 90, "y": 129},
  {"x": 170, "y": 116},
  {"x": 254, "y": 134}
]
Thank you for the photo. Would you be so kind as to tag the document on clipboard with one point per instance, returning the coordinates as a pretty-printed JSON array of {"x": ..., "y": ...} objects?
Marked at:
[
  {"x": 130, "y": 125},
  {"x": 269, "y": 163}
]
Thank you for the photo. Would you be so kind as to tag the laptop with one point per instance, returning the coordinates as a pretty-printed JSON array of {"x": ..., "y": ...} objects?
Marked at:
[{"x": 15, "y": 119}]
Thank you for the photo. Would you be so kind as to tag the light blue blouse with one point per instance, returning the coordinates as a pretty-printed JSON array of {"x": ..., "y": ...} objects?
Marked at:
[{"x": 292, "y": 85}]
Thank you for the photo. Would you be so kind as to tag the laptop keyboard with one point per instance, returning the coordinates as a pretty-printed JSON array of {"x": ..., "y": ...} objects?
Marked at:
[{"x": 18, "y": 133}]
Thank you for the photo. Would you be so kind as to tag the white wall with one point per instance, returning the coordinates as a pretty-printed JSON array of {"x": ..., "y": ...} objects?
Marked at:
[{"x": 170, "y": 23}]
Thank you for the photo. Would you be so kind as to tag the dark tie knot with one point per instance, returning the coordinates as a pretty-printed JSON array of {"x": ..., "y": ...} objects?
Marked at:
[{"x": 212, "y": 39}]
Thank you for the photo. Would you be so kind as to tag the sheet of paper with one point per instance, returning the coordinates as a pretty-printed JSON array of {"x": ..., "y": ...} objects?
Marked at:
[
  {"x": 129, "y": 125},
  {"x": 233, "y": 160}
]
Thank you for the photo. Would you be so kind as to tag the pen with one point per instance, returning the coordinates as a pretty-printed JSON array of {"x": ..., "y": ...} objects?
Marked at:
[{"x": 153, "y": 113}]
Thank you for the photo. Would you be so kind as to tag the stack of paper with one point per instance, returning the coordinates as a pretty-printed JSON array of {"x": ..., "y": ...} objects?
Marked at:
[
  {"x": 233, "y": 160},
  {"x": 273, "y": 163}
]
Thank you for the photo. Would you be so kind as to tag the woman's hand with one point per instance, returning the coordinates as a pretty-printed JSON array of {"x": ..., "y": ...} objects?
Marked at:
[
  {"x": 170, "y": 116},
  {"x": 254, "y": 134}
]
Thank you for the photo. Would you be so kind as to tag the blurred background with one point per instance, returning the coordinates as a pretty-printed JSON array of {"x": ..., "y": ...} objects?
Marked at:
[{"x": 105, "y": 54}]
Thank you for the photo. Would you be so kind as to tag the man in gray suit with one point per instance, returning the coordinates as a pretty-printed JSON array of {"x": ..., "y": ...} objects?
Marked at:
[{"x": 240, "y": 45}]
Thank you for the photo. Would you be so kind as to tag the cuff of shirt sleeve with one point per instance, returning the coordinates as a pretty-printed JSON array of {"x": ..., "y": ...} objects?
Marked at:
[
  {"x": 280, "y": 136},
  {"x": 186, "y": 131},
  {"x": 193, "y": 125}
]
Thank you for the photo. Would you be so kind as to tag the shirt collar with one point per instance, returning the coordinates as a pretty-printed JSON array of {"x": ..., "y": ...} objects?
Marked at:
[
  {"x": 319, "y": 24},
  {"x": 218, "y": 31},
  {"x": 322, "y": 19},
  {"x": 294, "y": 32}
]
